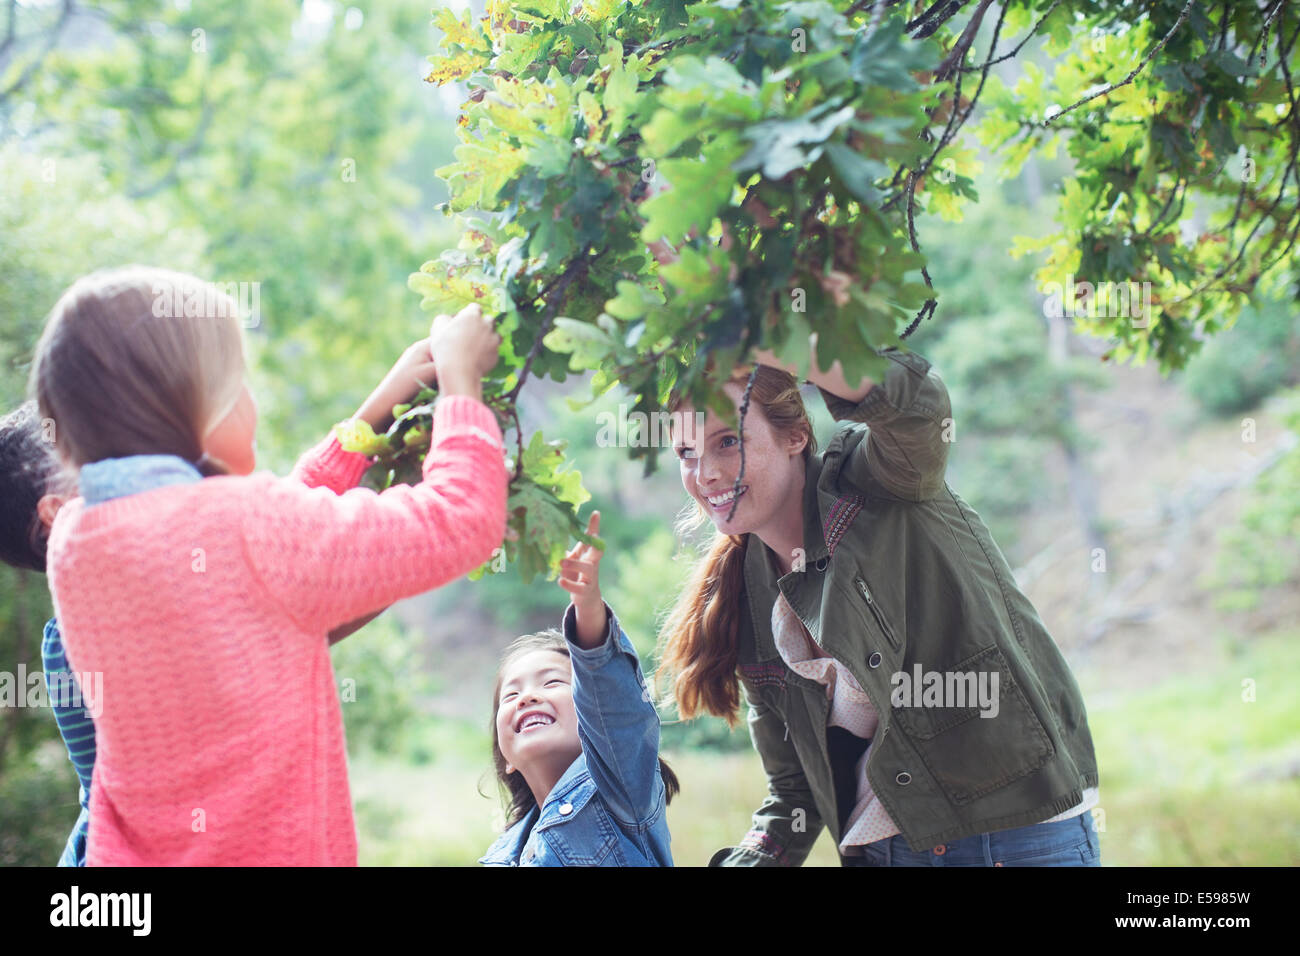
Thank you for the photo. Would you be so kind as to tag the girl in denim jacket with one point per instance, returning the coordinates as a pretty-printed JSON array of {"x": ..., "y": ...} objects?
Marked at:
[{"x": 575, "y": 740}]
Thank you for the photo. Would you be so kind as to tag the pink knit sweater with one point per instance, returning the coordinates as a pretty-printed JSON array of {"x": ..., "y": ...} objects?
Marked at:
[{"x": 206, "y": 608}]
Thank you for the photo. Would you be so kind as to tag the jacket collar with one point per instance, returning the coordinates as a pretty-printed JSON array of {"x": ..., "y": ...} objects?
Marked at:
[
  {"x": 574, "y": 786},
  {"x": 510, "y": 845},
  {"x": 111, "y": 478}
]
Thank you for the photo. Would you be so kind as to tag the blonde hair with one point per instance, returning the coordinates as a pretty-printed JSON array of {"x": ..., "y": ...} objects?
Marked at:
[
  {"x": 700, "y": 635},
  {"x": 138, "y": 360}
]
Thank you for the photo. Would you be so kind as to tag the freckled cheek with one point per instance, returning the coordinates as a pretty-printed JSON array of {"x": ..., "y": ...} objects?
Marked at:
[{"x": 688, "y": 478}]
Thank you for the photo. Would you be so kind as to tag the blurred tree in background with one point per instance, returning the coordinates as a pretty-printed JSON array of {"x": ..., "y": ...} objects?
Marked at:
[
  {"x": 1253, "y": 359},
  {"x": 292, "y": 143},
  {"x": 285, "y": 134},
  {"x": 275, "y": 143}
]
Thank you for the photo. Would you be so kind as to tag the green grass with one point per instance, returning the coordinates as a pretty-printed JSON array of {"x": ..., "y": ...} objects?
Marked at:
[
  {"x": 1191, "y": 775},
  {"x": 433, "y": 815},
  {"x": 719, "y": 794},
  {"x": 421, "y": 816}
]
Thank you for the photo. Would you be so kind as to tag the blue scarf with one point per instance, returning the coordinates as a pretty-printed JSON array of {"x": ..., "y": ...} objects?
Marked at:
[{"x": 111, "y": 478}]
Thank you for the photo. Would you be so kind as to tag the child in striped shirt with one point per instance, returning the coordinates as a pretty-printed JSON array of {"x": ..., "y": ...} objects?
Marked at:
[{"x": 33, "y": 487}]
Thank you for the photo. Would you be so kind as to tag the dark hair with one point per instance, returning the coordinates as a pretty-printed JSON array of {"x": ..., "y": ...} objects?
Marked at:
[
  {"x": 29, "y": 470},
  {"x": 515, "y": 794}
]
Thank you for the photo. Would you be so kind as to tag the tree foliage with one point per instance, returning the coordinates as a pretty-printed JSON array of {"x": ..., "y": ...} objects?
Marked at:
[
  {"x": 283, "y": 140},
  {"x": 783, "y": 150}
]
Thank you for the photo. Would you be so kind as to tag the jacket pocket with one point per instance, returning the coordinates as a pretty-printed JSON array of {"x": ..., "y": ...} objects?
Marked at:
[
  {"x": 972, "y": 725},
  {"x": 577, "y": 828},
  {"x": 864, "y": 592}
]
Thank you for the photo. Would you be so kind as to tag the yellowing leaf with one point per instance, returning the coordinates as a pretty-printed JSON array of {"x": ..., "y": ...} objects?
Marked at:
[
  {"x": 462, "y": 32},
  {"x": 593, "y": 114},
  {"x": 449, "y": 69},
  {"x": 355, "y": 435},
  {"x": 597, "y": 10}
]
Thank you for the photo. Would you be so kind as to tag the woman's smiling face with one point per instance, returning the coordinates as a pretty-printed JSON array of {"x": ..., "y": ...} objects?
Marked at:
[
  {"x": 708, "y": 453},
  {"x": 536, "y": 721}
]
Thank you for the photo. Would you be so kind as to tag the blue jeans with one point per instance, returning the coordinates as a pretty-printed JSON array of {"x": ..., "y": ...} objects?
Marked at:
[{"x": 1071, "y": 842}]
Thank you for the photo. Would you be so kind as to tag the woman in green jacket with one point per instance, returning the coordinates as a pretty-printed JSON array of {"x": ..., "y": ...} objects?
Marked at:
[{"x": 901, "y": 690}]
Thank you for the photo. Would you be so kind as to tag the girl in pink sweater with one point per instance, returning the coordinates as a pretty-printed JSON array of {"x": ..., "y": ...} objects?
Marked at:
[{"x": 203, "y": 593}]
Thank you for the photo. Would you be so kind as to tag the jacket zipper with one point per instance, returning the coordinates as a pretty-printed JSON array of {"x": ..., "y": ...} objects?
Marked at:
[{"x": 876, "y": 612}]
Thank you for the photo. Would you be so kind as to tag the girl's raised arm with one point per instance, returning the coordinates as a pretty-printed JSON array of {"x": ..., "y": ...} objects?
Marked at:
[
  {"x": 617, "y": 721},
  {"x": 329, "y": 558},
  {"x": 617, "y": 724},
  {"x": 327, "y": 464},
  {"x": 909, "y": 416}
]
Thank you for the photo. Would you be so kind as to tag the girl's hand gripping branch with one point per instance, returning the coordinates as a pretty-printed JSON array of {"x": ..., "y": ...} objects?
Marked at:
[{"x": 464, "y": 347}]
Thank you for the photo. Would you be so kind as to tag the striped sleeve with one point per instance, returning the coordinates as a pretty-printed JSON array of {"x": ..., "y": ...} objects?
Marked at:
[
  {"x": 78, "y": 732},
  {"x": 75, "y": 724}
]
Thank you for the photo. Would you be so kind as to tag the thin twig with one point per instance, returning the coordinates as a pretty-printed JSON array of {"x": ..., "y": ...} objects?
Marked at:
[
  {"x": 927, "y": 309},
  {"x": 1019, "y": 46},
  {"x": 1128, "y": 79},
  {"x": 957, "y": 55},
  {"x": 957, "y": 118},
  {"x": 579, "y": 264},
  {"x": 513, "y": 409},
  {"x": 1262, "y": 43},
  {"x": 935, "y": 16},
  {"x": 744, "y": 410}
]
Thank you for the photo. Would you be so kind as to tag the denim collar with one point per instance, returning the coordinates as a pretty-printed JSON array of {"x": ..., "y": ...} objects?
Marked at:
[
  {"x": 111, "y": 478},
  {"x": 510, "y": 845}
]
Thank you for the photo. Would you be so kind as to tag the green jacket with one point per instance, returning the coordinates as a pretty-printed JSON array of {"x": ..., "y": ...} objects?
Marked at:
[{"x": 898, "y": 571}]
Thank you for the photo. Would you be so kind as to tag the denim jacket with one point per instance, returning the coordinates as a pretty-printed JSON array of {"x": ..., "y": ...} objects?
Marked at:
[{"x": 609, "y": 807}]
